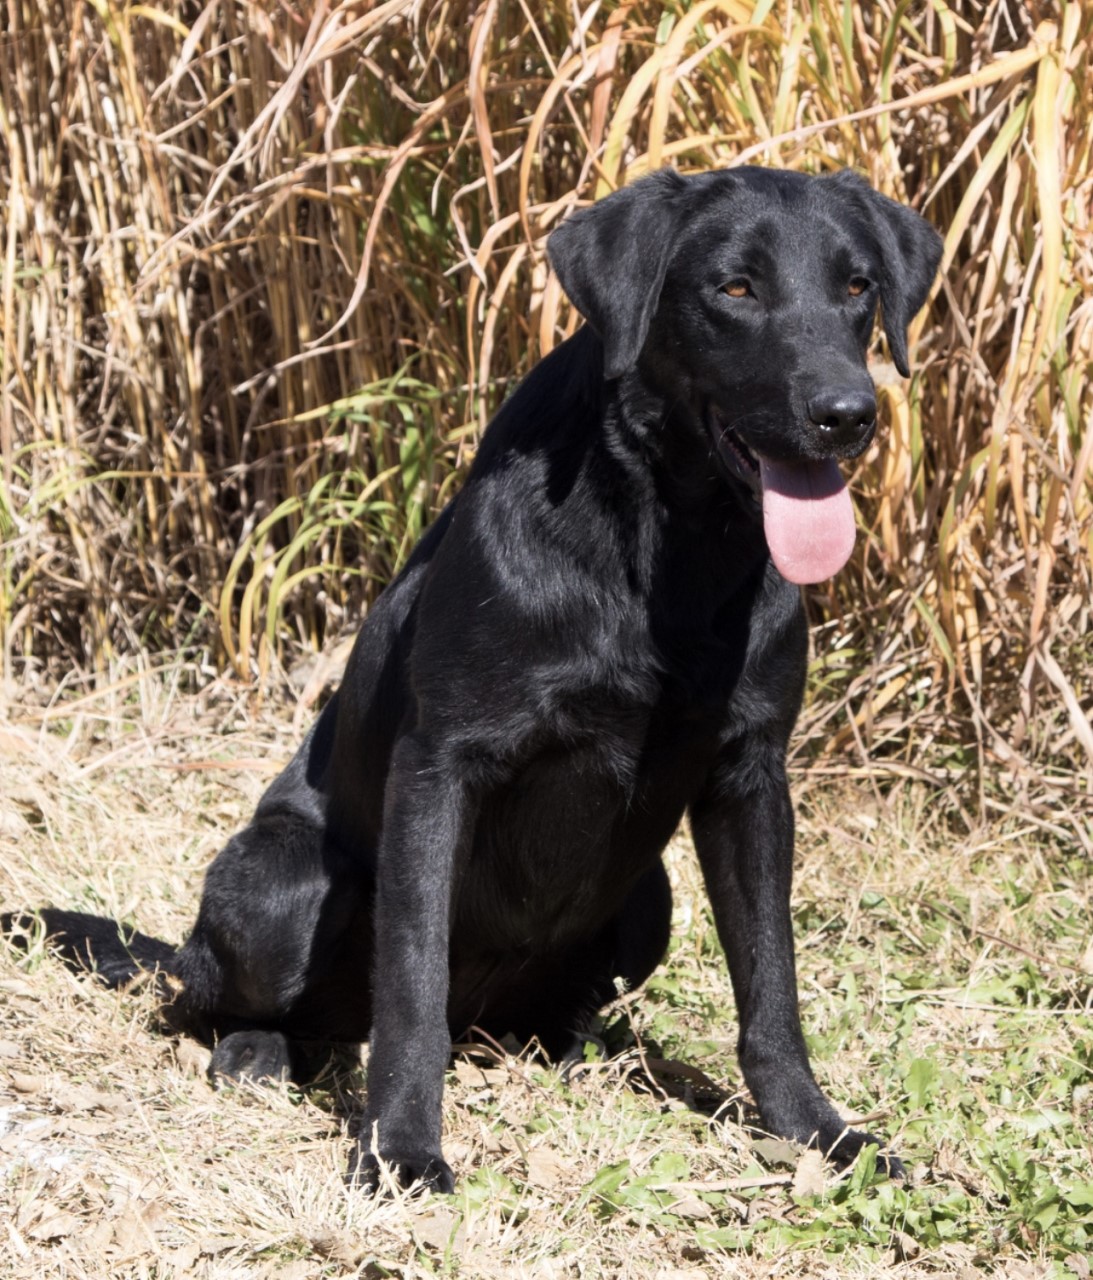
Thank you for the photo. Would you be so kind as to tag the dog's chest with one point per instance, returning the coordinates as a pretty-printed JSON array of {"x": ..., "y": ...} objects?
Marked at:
[
  {"x": 618, "y": 750},
  {"x": 557, "y": 848}
]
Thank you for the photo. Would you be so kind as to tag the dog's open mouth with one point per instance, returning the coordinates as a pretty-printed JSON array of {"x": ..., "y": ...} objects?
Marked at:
[
  {"x": 736, "y": 455},
  {"x": 808, "y": 517}
]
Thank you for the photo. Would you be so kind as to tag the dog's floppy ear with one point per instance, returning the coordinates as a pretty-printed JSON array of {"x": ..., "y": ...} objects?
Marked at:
[
  {"x": 611, "y": 259},
  {"x": 910, "y": 251}
]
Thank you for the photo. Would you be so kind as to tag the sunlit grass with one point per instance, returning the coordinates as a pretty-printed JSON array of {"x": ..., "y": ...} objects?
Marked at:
[{"x": 944, "y": 970}]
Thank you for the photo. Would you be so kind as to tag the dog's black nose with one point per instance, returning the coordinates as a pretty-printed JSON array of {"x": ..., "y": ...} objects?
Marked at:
[{"x": 844, "y": 415}]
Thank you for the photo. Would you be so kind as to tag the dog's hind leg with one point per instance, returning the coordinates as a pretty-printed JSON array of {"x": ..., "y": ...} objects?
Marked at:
[
  {"x": 632, "y": 944},
  {"x": 555, "y": 998},
  {"x": 281, "y": 945},
  {"x": 639, "y": 934},
  {"x": 252, "y": 1055}
]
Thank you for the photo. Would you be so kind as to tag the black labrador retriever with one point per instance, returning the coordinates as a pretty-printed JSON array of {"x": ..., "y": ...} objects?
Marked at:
[{"x": 600, "y": 633}]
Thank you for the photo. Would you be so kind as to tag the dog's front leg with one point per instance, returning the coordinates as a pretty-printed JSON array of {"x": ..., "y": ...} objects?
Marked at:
[
  {"x": 743, "y": 832},
  {"x": 427, "y": 818}
]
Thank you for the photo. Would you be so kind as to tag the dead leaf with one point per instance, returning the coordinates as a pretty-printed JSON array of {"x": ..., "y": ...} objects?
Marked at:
[
  {"x": 337, "y": 1246},
  {"x": 808, "y": 1178},
  {"x": 438, "y": 1227},
  {"x": 776, "y": 1151},
  {"x": 133, "y": 1233},
  {"x": 905, "y": 1247},
  {"x": 54, "y": 1224},
  {"x": 82, "y": 1097},
  {"x": 689, "y": 1206},
  {"x": 183, "y": 1260},
  {"x": 193, "y": 1058},
  {"x": 100, "y": 1237},
  {"x": 469, "y": 1074},
  {"x": 23, "y": 1083},
  {"x": 86, "y": 1128},
  {"x": 545, "y": 1168}
]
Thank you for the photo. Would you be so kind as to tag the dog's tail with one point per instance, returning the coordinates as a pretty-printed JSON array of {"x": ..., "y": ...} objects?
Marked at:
[{"x": 94, "y": 944}]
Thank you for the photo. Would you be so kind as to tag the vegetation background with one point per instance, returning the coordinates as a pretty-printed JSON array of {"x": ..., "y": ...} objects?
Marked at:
[{"x": 266, "y": 269}]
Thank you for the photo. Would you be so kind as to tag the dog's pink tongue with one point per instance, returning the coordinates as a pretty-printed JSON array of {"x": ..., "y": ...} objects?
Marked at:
[{"x": 808, "y": 518}]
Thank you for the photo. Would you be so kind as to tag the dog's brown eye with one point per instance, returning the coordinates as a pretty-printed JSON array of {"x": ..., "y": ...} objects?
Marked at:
[
  {"x": 857, "y": 286},
  {"x": 738, "y": 289}
]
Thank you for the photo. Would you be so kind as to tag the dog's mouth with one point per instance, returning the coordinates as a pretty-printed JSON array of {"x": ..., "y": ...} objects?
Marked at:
[
  {"x": 736, "y": 455},
  {"x": 808, "y": 517}
]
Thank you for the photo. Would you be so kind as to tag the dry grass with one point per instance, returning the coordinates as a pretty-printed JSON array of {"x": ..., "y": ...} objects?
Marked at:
[
  {"x": 267, "y": 269},
  {"x": 944, "y": 977}
]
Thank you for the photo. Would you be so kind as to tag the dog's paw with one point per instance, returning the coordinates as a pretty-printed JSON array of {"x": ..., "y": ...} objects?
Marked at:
[
  {"x": 417, "y": 1171},
  {"x": 849, "y": 1144},
  {"x": 251, "y": 1055}
]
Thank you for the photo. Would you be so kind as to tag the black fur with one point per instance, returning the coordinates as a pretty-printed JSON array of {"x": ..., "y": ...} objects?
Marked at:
[{"x": 588, "y": 643}]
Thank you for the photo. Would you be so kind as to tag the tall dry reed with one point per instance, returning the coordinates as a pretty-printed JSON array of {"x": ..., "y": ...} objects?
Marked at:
[{"x": 268, "y": 268}]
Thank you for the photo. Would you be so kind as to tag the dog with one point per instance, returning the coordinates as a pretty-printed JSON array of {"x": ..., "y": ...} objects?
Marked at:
[{"x": 602, "y": 632}]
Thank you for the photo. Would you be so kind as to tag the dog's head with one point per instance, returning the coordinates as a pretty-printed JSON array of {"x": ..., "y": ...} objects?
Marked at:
[{"x": 749, "y": 296}]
